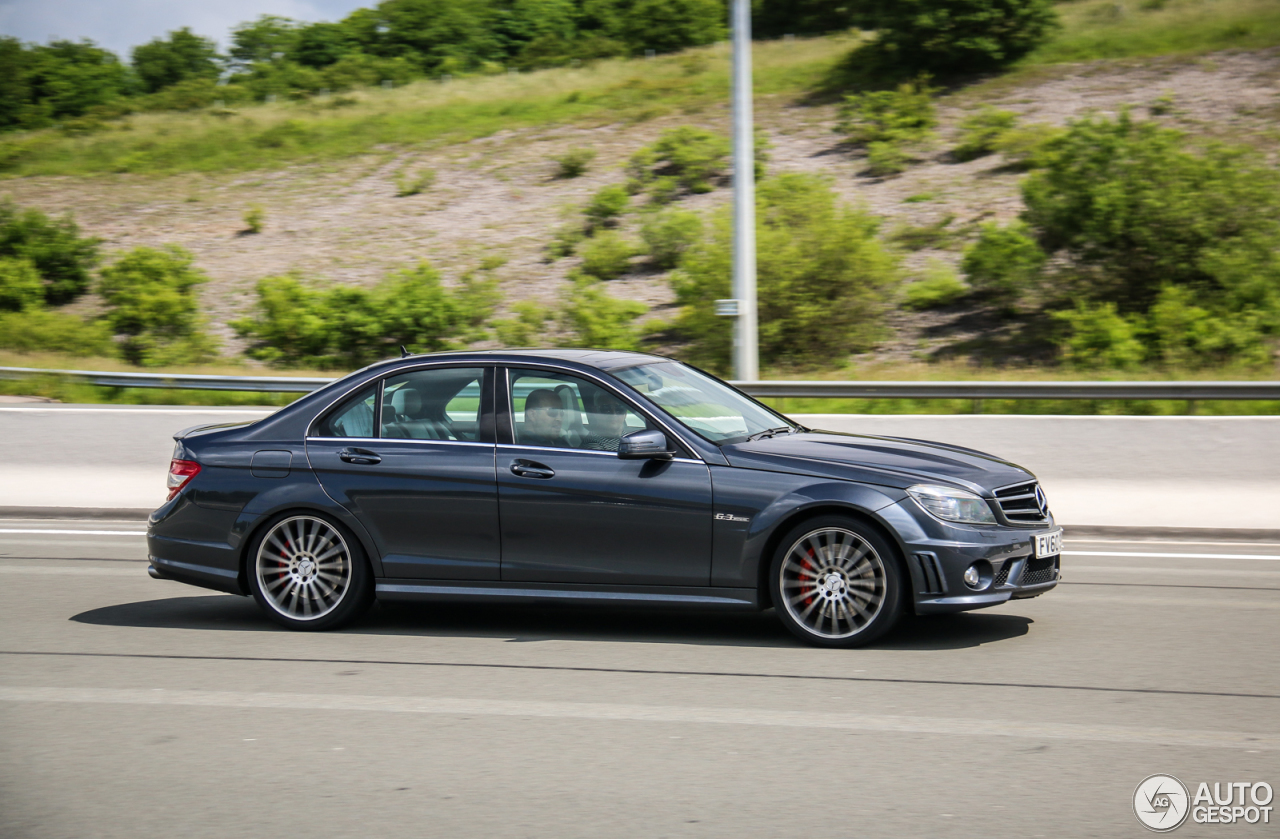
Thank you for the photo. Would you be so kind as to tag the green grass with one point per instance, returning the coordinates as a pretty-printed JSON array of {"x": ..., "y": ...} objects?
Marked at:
[
  {"x": 425, "y": 112},
  {"x": 1094, "y": 29}
]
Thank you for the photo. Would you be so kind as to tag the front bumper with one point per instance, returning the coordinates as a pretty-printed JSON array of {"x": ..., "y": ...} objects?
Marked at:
[{"x": 938, "y": 554}]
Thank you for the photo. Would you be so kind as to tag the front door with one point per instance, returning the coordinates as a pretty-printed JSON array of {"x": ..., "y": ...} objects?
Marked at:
[
  {"x": 412, "y": 458},
  {"x": 572, "y": 512}
]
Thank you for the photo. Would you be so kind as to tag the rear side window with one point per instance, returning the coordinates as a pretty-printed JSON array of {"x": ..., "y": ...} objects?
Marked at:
[
  {"x": 353, "y": 418},
  {"x": 441, "y": 403}
]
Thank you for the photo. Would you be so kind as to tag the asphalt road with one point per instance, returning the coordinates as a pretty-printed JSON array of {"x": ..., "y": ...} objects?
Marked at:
[{"x": 137, "y": 708}]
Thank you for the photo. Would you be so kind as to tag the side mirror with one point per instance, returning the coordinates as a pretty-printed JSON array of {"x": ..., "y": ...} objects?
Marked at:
[{"x": 642, "y": 445}]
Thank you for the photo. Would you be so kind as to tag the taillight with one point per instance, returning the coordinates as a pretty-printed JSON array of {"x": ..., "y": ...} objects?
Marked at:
[{"x": 180, "y": 474}]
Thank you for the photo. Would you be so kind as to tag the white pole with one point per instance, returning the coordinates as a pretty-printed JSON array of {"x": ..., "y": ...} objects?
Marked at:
[{"x": 746, "y": 362}]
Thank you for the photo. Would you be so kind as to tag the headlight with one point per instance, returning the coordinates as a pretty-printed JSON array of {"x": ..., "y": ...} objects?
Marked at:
[{"x": 950, "y": 504}]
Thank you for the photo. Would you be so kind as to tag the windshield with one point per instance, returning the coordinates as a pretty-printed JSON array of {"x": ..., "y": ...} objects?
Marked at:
[{"x": 712, "y": 410}]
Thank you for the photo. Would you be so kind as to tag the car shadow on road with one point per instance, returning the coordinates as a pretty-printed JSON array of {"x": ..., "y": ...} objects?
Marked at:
[{"x": 532, "y": 624}]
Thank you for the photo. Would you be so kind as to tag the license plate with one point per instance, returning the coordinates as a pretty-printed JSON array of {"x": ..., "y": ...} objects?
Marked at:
[{"x": 1048, "y": 544}]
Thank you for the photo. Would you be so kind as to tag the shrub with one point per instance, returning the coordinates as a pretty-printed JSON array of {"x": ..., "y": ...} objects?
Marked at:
[
  {"x": 823, "y": 276},
  {"x": 1183, "y": 335},
  {"x": 527, "y": 327},
  {"x": 255, "y": 218},
  {"x": 1004, "y": 262},
  {"x": 344, "y": 326},
  {"x": 919, "y": 237},
  {"x": 691, "y": 156},
  {"x": 885, "y": 159},
  {"x": 406, "y": 186},
  {"x": 607, "y": 255},
  {"x": 565, "y": 239},
  {"x": 1099, "y": 337},
  {"x": 20, "y": 285},
  {"x": 60, "y": 254},
  {"x": 591, "y": 317},
  {"x": 1132, "y": 208},
  {"x": 959, "y": 36},
  {"x": 44, "y": 330},
  {"x": 151, "y": 302},
  {"x": 1027, "y": 147},
  {"x": 668, "y": 233},
  {"x": 904, "y": 115},
  {"x": 982, "y": 130},
  {"x": 606, "y": 205},
  {"x": 938, "y": 287},
  {"x": 574, "y": 162}
]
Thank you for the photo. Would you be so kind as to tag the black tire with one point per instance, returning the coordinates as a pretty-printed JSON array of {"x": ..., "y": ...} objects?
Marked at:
[
  {"x": 836, "y": 582},
  {"x": 308, "y": 572}
]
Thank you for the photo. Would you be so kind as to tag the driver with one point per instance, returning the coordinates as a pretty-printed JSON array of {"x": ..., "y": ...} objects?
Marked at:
[
  {"x": 542, "y": 420},
  {"x": 608, "y": 422}
]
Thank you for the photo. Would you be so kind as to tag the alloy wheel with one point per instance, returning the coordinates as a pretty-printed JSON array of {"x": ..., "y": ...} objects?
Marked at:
[
  {"x": 832, "y": 583},
  {"x": 304, "y": 568}
]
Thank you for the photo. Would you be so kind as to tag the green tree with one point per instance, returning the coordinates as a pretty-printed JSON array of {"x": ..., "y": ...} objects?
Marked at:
[
  {"x": 58, "y": 81},
  {"x": 437, "y": 35},
  {"x": 946, "y": 37},
  {"x": 824, "y": 278},
  {"x": 151, "y": 302},
  {"x": 269, "y": 38},
  {"x": 180, "y": 56},
  {"x": 59, "y": 253},
  {"x": 671, "y": 25},
  {"x": 322, "y": 44}
]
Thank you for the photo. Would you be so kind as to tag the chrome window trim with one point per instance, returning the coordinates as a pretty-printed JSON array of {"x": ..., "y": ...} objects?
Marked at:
[
  {"x": 380, "y": 440},
  {"x": 377, "y": 382},
  {"x": 607, "y": 385},
  {"x": 588, "y": 451}
]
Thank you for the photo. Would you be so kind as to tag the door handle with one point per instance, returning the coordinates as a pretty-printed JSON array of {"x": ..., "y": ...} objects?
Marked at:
[
  {"x": 530, "y": 469},
  {"x": 364, "y": 457}
]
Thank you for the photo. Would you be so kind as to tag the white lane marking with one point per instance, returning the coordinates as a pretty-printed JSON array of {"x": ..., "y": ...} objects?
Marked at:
[
  {"x": 77, "y": 532},
  {"x": 1156, "y": 570},
  {"x": 1170, "y": 555},
  {"x": 86, "y": 572},
  {"x": 643, "y": 713},
  {"x": 1080, "y": 540}
]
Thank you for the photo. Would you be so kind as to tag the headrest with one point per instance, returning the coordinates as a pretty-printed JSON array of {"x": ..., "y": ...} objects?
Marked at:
[{"x": 407, "y": 401}]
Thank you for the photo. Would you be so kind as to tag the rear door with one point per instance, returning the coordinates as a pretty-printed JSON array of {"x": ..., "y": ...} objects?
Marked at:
[
  {"x": 573, "y": 512},
  {"x": 412, "y": 456}
]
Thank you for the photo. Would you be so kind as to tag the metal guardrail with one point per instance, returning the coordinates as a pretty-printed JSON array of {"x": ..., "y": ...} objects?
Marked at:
[{"x": 1189, "y": 391}]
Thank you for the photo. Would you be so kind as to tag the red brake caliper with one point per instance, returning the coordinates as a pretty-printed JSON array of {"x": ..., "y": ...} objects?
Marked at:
[{"x": 807, "y": 573}]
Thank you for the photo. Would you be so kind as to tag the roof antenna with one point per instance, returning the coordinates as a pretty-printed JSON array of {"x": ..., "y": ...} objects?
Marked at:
[{"x": 403, "y": 352}]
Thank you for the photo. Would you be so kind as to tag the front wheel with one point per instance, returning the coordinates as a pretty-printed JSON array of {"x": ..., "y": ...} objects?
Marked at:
[
  {"x": 836, "y": 583},
  {"x": 309, "y": 573}
]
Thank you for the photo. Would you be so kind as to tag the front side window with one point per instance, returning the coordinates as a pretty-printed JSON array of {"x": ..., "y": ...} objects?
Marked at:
[
  {"x": 441, "y": 403},
  {"x": 711, "y": 409},
  {"x": 566, "y": 412},
  {"x": 353, "y": 418}
]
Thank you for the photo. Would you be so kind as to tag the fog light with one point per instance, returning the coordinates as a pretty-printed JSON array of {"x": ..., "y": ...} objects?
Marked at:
[{"x": 972, "y": 577}]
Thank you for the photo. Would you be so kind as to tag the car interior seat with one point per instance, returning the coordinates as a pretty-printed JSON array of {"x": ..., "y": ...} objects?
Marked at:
[{"x": 570, "y": 417}]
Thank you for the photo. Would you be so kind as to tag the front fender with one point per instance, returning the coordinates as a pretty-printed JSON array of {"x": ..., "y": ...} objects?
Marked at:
[{"x": 752, "y": 508}]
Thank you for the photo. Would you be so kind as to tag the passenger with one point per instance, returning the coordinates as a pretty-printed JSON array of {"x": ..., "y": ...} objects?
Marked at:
[
  {"x": 542, "y": 420},
  {"x": 608, "y": 423}
]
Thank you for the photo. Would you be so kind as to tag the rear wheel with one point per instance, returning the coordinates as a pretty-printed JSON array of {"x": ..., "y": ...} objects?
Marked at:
[
  {"x": 309, "y": 573},
  {"x": 836, "y": 583}
]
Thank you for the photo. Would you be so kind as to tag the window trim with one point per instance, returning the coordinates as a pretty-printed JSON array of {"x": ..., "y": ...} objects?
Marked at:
[
  {"x": 487, "y": 388},
  {"x": 507, "y": 420}
]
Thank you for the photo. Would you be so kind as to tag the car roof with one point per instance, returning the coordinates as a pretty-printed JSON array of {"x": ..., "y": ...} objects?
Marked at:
[{"x": 599, "y": 359}]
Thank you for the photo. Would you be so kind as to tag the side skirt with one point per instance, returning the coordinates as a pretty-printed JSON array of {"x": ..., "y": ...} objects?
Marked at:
[{"x": 477, "y": 592}]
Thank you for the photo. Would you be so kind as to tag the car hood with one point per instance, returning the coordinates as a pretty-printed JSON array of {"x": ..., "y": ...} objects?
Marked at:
[{"x": 891, "y": 461}]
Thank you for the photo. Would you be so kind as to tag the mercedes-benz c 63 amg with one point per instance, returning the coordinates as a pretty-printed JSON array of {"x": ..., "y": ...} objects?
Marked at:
[{"x": 580, "y": 476}]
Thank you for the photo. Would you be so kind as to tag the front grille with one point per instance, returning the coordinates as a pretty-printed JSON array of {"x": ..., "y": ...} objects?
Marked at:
[
  {"x": 1020, "y": 504},
  {"x": 1039, "y": 570}
]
